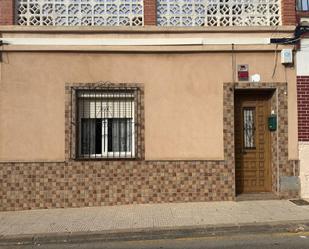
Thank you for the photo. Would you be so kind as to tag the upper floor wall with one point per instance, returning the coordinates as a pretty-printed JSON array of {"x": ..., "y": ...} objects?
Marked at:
[{"x": 148, "y": 12}]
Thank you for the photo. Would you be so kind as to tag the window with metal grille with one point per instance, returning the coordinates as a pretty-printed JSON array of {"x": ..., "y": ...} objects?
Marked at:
[
  {"x": 79, "y": 12},
  {"x": 303, "y": 5},
  {"x": 249, "y": 128},
  {"x": 106, "y": 123},
  {"x": 218, "y": 12}
]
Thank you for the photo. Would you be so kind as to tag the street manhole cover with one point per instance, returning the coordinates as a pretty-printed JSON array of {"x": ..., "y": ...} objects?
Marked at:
[{"x": 300, "y": 202}]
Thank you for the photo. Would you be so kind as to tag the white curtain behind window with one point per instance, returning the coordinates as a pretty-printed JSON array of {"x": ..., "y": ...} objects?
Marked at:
[{"x": 88, "y": 127}]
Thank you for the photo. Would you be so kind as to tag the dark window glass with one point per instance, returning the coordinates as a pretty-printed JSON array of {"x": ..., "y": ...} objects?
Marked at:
[
  {"x": 98, "y": 136},
  {"x": 91, "y": 136},
  {"x": 88, "y": 135},
  {"x": 119, "y": 134},
  {"x": 249, "y": 128}
]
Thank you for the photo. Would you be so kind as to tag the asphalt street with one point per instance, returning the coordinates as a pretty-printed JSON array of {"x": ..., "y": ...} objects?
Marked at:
[{"x": 247, "y": 241}]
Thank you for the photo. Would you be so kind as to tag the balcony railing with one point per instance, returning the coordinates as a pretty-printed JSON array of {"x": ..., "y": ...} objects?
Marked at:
[
  {"x": 131, "y": 13},
  {"x": 218, "y": 12},
  {"x": 80, "y": 12}
]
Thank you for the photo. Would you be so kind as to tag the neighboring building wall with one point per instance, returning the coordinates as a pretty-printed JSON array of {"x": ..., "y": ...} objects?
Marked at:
[
  {"x": 304, "y": 168},
  {"x": 303, "y": 107},
  {"x": 303, "y": 114}
]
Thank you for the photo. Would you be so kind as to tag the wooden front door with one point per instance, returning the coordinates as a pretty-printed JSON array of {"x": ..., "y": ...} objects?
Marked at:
[{"x": 252, "y": 142}]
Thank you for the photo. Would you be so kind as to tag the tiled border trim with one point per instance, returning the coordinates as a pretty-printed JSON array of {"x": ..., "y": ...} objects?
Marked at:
[{"x": 70, "y": 114}]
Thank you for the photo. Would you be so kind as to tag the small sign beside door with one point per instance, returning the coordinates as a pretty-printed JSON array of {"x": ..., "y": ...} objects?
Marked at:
[{"x": 243, "y": 72}]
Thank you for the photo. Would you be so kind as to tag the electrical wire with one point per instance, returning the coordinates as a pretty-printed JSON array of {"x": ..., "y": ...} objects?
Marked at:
[
  {"x": 275, "y": 62},
  {"x": 290, "y": 41},
  {"x": 297, "y": 36}
]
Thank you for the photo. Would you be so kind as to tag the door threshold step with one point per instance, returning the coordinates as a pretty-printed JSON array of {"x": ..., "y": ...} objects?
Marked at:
[{"x": 256, "y": 196}]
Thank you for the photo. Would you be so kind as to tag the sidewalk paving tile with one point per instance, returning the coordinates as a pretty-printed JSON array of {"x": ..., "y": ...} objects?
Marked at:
[{"x": 149, "y": 216}]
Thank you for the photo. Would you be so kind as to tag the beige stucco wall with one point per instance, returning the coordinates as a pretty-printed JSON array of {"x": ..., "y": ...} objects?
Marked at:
[{"x": 183, "y": 99}]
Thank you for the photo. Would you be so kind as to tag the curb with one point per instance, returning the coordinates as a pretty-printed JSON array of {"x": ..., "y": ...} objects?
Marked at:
[{"x": 294, "y": 226}]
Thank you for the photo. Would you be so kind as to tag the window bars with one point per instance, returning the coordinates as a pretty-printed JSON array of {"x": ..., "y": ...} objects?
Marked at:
[
  {"x": 218, "y": 12},
  {"x": 106, "y": 123},
  {"x": 303, "y": 5},
  {"x": 79, "y": 12},
  {"x": 249, "y": 128}
]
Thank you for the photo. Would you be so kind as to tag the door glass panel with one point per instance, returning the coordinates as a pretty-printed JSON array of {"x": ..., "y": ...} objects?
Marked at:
[{"x": 249, "y": 128}]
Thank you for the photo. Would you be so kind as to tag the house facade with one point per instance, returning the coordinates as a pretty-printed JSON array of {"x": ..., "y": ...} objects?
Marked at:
[{"x": 121, "y": 102}]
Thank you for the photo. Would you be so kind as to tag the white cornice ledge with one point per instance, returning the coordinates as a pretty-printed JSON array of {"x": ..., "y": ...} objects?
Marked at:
[
  {"x": 145, "y": 29},
  {"x": 134, "y": 42}
]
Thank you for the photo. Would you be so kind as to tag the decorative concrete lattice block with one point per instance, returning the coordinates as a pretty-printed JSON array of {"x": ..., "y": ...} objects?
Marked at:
[
  {"x": 218, "y": 13},
  {"x": 80, "y": 12}
]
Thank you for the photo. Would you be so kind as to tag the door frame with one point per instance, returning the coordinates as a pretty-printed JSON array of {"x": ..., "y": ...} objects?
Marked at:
[{"x": 267, "y": 94}]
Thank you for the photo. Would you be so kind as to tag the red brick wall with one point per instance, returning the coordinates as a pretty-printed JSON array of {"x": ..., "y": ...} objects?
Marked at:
[
  {"x": 6, "y": 12},
  {"x": 150, "y": 12},
  {"x": 303, "y": 107},
  {"x": 288, "y": 11}
]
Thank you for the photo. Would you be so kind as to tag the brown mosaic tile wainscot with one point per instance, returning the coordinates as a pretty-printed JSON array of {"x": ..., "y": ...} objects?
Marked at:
[{"x": 76, "y": 183}]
